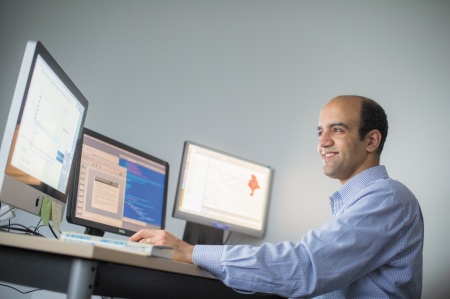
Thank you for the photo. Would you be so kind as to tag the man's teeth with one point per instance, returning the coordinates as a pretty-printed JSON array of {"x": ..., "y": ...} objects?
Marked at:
[{"x": 327, "y": 154}]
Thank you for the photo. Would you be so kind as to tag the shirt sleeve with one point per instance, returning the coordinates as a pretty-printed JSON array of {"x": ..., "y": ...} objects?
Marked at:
[
  {"x": 269, "y": 268},
  {"x": 346, "y": 248}
]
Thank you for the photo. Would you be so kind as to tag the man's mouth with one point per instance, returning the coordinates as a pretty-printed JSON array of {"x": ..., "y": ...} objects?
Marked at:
[{"x": 328, "y": 154}]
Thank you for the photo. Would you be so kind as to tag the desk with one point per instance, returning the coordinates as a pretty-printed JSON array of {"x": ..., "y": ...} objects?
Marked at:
[{"x": 82, "y": 270}]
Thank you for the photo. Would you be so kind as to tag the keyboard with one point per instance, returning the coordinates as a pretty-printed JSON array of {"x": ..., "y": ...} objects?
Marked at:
[{"x": 116, "y": 244}]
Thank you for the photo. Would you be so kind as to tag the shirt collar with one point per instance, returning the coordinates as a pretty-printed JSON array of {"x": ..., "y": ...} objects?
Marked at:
[{"x": 346, "y": 193}]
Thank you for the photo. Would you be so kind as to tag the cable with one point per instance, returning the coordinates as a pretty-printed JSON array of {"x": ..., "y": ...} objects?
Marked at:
[
  {"x": 49, "y": 226},
  {"x": 31, "y": 230},
  {"x": 53, "y": 232},
  {"x": 37, "y": 225},
  {"x": 15, "y": 289},
  {"x": 228, "y": 238},
  {"x": 19, "y": 228}
]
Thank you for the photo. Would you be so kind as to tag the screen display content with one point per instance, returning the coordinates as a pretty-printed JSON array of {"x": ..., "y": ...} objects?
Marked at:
[
  {"x": 118, "y": 188},
  {"x": 42, "y": 132},
  {"x": 46, "y": 137},
  {"x": 222, "y": 191}
]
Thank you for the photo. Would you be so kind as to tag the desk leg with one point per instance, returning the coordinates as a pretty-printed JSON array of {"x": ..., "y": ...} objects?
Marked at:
[{"x": 82, "y": 278}]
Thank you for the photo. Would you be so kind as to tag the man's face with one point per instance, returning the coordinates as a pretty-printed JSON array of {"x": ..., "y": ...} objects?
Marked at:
[{"x": 343, "y": 153}]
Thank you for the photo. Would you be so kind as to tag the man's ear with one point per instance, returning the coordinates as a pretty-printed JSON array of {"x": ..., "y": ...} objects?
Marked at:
[{"x": 373, "y": 140}]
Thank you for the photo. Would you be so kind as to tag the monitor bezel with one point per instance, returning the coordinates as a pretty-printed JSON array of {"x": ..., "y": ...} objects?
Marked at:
[
  {"x": 214, "y": 223},
  {"x": 98, "y": 228},
  {"x": 29, "y": 197}
]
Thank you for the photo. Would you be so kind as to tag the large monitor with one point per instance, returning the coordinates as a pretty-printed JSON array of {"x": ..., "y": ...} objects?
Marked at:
[
  {"x": 117, "y": 188},
  {"x": 43, "y": 128},
  {"x": 220, "y": 192}
]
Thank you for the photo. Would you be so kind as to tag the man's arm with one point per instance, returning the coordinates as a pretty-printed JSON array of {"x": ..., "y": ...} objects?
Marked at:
[{"x": 183, "y": 250}]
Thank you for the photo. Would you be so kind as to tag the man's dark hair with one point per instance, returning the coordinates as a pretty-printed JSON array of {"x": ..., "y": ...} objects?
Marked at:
[{"x": 373, "y": 117}]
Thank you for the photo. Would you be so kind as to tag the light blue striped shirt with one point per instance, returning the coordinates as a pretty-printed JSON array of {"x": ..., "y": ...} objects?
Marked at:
[{"x": 371, "y": 248}]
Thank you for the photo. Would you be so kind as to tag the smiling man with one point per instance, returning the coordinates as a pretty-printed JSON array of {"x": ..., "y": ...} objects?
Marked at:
[
  {"x": 352, "y": 131},
  {"x": 370, "y": 248}
]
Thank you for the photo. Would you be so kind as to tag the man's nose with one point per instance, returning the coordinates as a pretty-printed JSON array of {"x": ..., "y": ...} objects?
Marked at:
[{"x": 325, "y": 140}]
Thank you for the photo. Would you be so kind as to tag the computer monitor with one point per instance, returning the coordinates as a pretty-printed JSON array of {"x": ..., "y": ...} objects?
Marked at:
[
  {"x": 219, "y": 192},
  {"x": 117, "y": 188},
  {"x": 44, "y": 125}
]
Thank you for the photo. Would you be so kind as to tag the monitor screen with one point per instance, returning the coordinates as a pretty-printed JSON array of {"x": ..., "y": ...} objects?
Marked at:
[
  {"x": 117, "y": 188},
  {"x": 42, "y": 131},
  {"x": 222, "y": 191}
]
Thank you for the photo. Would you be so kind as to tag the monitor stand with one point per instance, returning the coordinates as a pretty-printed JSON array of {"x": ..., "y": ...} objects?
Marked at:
[
  {"x": 94, "y": 231},
  {"x": 196, "y": 234}
]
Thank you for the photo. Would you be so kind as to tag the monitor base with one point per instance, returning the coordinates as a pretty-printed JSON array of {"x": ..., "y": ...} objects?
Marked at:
[
  {"x": 197, "y": 234},
  {"x": 94, "y": 232}
]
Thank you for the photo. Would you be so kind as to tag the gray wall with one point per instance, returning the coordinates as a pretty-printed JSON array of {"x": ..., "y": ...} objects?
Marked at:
[{"x": 249, "y": 77}]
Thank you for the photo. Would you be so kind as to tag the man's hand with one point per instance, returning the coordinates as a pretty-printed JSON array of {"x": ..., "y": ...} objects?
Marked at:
[{"x": 183, "y": 250}]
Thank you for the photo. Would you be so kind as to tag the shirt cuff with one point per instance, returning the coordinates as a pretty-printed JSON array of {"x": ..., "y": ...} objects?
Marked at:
[{"x": 208, "y": 257}]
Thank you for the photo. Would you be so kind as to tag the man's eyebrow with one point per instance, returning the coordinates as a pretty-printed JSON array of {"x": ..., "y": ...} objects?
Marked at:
[{"x": 334, "y": 125}]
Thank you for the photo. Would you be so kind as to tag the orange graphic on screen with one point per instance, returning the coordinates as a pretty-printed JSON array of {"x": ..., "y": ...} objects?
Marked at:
[{"x": 253, "y": 184}]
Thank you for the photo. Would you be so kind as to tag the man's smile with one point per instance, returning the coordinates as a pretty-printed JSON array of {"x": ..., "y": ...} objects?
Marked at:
[{"x": 328, "y": 154}]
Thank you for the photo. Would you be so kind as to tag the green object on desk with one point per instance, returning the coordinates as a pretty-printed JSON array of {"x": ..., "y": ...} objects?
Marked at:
[{"x": 46, "y": 209}]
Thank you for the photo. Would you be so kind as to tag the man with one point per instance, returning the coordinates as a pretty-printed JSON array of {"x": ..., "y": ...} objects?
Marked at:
[{"x": 372, "y": 246}]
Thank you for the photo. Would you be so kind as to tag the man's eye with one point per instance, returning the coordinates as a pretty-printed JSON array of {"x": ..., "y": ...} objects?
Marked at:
[
  {"x": 319, "y": 134},
  {"x": 337, "y": 130}
]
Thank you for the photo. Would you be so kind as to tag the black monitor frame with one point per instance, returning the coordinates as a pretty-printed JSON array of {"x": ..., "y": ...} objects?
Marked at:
[{"x": 115, "y": 148}]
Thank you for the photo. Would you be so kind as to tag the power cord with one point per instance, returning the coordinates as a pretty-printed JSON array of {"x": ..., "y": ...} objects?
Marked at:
[
  {"x": 32, "y": 230},
  {"x": 16, "y": 289},
  {"x": 228, "y": 238},
  {"x": 16, "y": 227},
  {"x": 19, "y": 228},
  {"x": 49, "y": 226}
]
